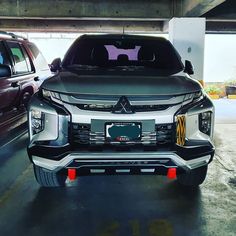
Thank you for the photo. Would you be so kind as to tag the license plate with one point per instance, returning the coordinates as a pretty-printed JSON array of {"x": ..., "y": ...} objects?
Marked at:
[{"x": 123, "y": 132}]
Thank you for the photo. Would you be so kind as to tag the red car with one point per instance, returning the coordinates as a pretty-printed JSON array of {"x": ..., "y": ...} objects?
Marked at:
[{"x": 22, "y": 70}]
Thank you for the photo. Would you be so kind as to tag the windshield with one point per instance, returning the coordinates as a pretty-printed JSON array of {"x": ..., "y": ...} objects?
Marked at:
[{"x": 104, "y": 52}]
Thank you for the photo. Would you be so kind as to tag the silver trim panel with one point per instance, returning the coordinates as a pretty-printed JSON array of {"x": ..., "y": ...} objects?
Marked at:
[
  {"x": 97, "y": 171},
  {"x": 104, "y": 158}
]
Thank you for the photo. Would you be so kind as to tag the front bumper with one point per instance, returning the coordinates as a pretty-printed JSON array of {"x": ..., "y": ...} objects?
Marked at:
[
  {"x": 123, "y": 160},
  {"x": 194, "y": 155},
  {"x": 51, "y": 148}
]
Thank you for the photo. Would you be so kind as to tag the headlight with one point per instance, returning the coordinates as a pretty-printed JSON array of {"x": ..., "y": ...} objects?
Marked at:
[
  {"x": 194, "y": 97},
  {"x": 37, "y": 121},
  {"x": 205, "y": 122},
  {"x": 52, "y": 96},
  {"x": 198, "y": 96}
]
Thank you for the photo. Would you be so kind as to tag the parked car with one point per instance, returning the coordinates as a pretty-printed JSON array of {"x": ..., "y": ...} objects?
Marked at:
[
  {"x": 22, "y": 70},
  {"x": 121, "y": 104},
  {"x": 230, "y": 87}
]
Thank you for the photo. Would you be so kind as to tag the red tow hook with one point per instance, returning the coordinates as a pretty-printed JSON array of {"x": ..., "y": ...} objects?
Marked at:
[
  {"x": 171, "y": 174},
  {"x": 72, "y": 174}
]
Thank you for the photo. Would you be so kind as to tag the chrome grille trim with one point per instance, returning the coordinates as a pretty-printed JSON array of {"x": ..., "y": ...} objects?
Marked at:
[
  {"x": 81, "y": 134},
  {"x": 134, "y": 100}
]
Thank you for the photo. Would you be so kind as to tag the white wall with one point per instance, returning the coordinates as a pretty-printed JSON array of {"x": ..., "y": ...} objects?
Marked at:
[
  {"x": 220, "y": 57},
  {"x": 52, "y": 45}
]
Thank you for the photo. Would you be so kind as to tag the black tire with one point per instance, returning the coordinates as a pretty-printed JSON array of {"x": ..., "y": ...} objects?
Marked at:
[
  {"x": 23, "y": 101},
  {"x": 26, "y": 98},
  {"x": 47, "y": 178},
  {"x": 194, "y": 177}
]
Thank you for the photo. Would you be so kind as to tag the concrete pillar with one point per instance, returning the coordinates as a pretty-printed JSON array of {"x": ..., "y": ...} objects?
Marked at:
[{"x": 188, "y": 37}]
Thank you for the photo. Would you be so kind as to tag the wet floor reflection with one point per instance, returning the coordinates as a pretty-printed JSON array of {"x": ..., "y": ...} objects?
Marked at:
[
  {"x": 115, "y": 205},
  {"x": 94, "y": 205}
]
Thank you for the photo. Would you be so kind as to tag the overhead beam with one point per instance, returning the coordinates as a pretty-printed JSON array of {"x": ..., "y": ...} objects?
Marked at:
[
  {"x": 81, "y": 26},
  {"x": 193, "y": 8},
  {"x": 221, "y": 26},
  {"x": 88, "y": 8},
  {"x": 106, "y": 26}
]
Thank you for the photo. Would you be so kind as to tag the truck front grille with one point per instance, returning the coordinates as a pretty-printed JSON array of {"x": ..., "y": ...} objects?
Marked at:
[
  {"x": 81, "y": 135},
  {"x": 109, "y": 108}
]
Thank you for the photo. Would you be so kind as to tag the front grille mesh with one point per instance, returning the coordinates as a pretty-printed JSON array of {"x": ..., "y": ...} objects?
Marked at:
[
  {"x": 81, "y": 135},
  {"x": 165, "y": 133}
]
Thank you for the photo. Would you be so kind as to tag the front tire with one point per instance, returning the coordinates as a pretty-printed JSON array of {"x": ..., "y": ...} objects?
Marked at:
[
  {"x": 194, "y": 177},
  {"x": 47, "y": 178}
]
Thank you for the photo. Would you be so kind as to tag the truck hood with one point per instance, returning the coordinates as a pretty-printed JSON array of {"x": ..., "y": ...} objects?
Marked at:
[{"x": 123, "y": 84}]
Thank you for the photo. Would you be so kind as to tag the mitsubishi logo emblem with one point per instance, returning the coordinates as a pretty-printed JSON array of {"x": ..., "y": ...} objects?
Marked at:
[{"x": 123, "y": 106}]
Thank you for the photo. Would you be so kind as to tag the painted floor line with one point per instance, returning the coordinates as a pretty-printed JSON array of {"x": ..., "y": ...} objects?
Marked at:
[
  {"x": 12, "y": 119},
  {"x": 14, "y": 139},
  {"x": 222, "y": 164},
  {"x": 15, "y": 186}
]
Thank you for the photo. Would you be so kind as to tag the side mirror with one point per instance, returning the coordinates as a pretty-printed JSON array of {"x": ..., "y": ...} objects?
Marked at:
[
  {"x": 5, "y": 71},
  {"x": 188, "y": 67},
  {"x": 55, "y": 65}
]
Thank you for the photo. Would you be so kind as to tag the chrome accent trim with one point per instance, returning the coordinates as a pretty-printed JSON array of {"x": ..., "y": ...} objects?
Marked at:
[
  {"x": 104, "y": 157},
  {"x": 147, "y": 138},
  {"x": 123, "y": 171},
  {"x": 97, "y": 171},
  {"x": 112, "y": 100},
  {"x": 86, "y": 117},
  {"x": 195, "y": 164},
  {"x": 147, "y": 170}
]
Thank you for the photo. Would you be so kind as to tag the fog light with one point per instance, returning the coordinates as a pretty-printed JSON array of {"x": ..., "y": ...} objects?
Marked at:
[
  {"x": 37, "y": 121},
  {"x": 205, "y": 122}
]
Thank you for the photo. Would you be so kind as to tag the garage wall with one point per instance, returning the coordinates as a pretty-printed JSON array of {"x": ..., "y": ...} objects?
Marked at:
[{"x": 52, "y": 45}]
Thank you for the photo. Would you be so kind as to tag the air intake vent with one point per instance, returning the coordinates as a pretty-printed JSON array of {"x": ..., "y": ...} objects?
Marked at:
[
  {"x": 165, "y": 133},
  {"x": 146, "y": 108},
  {"x": 80, "y": 133}
]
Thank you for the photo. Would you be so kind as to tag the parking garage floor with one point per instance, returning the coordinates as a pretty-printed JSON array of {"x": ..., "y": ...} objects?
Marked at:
[{"x": 120, "y": 205}]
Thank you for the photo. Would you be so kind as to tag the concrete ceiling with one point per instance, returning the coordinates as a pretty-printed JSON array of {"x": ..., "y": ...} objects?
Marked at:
[{"x": 112, "y": 16}]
